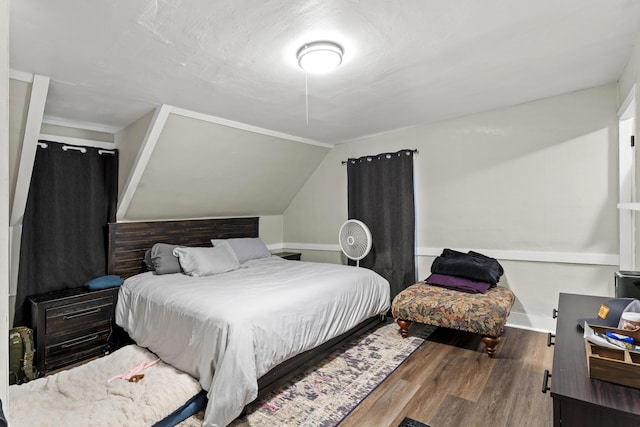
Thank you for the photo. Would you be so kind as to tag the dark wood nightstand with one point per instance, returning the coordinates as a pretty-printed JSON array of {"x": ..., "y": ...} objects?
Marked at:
[
  {"x": 293, "y": 256},
  {"x": 72, "y": 325}
]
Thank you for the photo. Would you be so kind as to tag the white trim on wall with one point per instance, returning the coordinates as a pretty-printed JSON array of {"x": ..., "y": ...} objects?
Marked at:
[
  {"x": 244, "y": 126},
  {"x": 22, "y": 76},
  {"x": 629, "y": 206},
  {"x": 4, "y": 202},
  {"x": 536, "y": 256},
  {"x": 312, "y": 247},
  {"x": 39, "y": 90},
  {"x": 507, "y": 255},
  {"x": 627, "y": 181},
  {"x": 142, "y": 159}
]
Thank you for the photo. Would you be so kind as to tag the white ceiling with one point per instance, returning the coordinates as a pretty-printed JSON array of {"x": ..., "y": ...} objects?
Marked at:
[{"x": 406, "y": 62}]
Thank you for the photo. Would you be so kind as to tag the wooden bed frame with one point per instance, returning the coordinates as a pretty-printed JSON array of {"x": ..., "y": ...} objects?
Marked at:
[{"x": 128, "y": 242}]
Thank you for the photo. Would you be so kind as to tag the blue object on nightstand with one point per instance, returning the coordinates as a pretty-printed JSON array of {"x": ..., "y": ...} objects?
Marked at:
[{"x": 104, "y": 282}]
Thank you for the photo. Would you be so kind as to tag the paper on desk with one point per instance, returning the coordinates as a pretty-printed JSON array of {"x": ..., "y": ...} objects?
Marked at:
[{"x": 604, "y": 341}]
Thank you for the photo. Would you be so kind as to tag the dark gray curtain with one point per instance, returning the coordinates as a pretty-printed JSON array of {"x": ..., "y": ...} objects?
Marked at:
[
  {"x": 72, "y": 197},
  {"x": 380, "y": 191}
]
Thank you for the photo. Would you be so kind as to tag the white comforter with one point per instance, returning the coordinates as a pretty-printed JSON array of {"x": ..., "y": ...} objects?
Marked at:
[{"x": 229, "y": 329}]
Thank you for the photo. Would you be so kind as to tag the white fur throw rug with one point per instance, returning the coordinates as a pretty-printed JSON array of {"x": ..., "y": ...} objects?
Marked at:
[{"x": 82, "y": 396}]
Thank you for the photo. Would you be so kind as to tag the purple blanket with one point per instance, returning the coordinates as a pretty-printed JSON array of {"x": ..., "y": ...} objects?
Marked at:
[{"x": 458, "y": 283}]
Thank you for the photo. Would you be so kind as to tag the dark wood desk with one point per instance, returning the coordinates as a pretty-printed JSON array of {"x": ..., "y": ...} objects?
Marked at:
[{"x": 579, "y": 400}]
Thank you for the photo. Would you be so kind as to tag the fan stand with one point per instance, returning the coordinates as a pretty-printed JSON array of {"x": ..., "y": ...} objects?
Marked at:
[{"x": 350, "y": 242}]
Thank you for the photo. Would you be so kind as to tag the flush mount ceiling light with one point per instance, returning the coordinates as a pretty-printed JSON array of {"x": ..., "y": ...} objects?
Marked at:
[{"x": 320, "y": 57}]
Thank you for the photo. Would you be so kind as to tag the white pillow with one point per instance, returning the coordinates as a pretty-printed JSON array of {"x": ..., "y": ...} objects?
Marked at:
[
  {"x": 246, "y": 248},
  {"x": 207, "y": 261}
]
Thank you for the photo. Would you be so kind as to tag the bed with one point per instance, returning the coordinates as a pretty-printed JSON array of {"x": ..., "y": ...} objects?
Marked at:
[{"x": 243, "y": 331}]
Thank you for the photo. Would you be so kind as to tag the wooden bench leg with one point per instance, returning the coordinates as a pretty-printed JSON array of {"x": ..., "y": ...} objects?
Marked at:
[
  {"x": 404, "y": 327},
  {"x": 491, "y": 343}
]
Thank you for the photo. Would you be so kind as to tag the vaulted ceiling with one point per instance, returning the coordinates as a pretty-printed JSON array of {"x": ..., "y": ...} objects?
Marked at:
[{"x": 405, "y": 62}]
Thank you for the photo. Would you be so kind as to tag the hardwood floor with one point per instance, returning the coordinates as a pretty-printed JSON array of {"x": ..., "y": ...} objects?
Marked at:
[{"x": 450, "y": 381}]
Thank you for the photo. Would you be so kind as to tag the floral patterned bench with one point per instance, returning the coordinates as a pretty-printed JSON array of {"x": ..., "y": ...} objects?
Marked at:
[{"x": 484, "y": 314}]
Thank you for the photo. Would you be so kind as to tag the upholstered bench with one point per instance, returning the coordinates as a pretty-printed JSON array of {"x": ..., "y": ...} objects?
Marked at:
[{"x": 481, "y": 313}]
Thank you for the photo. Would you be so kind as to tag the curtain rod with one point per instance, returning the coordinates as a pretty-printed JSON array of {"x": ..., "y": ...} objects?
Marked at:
[
  {"x": 73, "y": 147},
  {"x": 414, "y": 151}
]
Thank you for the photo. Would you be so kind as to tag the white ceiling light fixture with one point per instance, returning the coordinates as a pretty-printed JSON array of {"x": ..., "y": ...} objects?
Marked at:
[{"x": 320, "y": 57}]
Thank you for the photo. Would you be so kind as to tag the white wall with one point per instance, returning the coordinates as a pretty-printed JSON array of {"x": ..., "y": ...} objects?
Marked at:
[
  {"x": 4, "y": 200},
  {"x": 129, "y": 141},
  {"x": 192, "y": 166},
  {"x": 534, "y": 185},
  {"x": 629, "y": 75},
  {"x": 270, "y": 227},
  {"x": 75, "y": 133}
]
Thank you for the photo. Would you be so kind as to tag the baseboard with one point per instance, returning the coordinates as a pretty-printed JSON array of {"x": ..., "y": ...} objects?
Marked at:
[{"x": 532, "y": 322}]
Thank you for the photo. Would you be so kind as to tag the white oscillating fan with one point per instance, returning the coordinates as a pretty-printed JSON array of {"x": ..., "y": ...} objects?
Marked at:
[{"x": 355, "y": 240}]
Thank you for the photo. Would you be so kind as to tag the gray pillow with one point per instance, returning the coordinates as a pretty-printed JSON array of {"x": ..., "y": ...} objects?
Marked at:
[
  {"x": 147, "y": 260},
  {"x": 207, "y": 261},
  {"x": 246, "y": 248},
  {"x": 163, "y": 259}
]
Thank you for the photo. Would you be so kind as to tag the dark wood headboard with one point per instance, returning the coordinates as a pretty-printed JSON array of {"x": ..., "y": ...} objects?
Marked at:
[{"x": 128, "y": 241}]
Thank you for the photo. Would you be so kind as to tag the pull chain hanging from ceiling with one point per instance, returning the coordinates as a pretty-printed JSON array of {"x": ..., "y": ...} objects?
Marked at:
[{"x": 318, "y": 57}]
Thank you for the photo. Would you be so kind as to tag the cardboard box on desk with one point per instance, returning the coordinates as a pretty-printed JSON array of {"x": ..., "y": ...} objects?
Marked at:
[{"x": 612, "y": 365}]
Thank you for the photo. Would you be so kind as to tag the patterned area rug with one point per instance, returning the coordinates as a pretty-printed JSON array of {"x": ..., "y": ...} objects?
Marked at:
[{"x": 329, "y": 391}]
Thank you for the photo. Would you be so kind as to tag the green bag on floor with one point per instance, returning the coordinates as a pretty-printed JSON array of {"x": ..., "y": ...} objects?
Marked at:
[{"x": 21, "y": 355}]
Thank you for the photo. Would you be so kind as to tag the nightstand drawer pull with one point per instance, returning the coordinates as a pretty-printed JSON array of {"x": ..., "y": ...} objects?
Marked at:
[
  {"x": 81, "y": 313},
  {"x": 545, "y": 381},
  {"x": 80, "y": 340}
]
